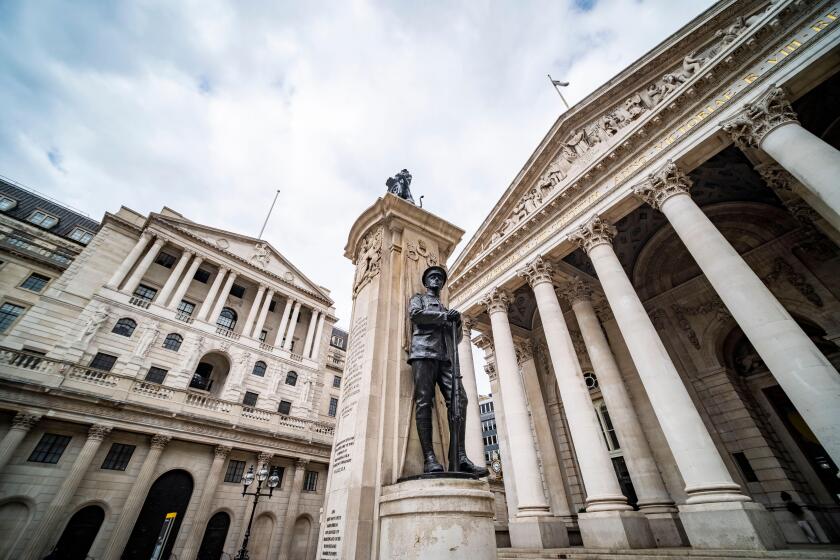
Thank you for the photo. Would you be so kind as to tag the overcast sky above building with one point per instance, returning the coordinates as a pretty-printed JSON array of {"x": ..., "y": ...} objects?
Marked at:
[{"x": 208, "y": 107}]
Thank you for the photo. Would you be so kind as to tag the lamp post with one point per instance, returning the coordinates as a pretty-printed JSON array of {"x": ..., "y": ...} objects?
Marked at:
[{"x": 261, "y": 476}]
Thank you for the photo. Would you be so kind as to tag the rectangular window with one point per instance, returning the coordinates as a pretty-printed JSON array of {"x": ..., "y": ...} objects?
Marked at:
[
  {"x": 280, "y": 472},
  {"x": 7, "y": 203},
  {"x": 263, "y": 335},
  {"x": 49, "y": 449},
  {"x": 337, "y": 381},
  {"x": 118, "y": 457},
  {"x": 285, "y": 407},
  {"x": 201, "y": 275},
  {"x": 43, "y": 219},
  {"x": 234, "y": 471},
  {"x": 745, "y": 466},
  {"x": 103, "y": 361},
  {"x": 156, "y": 375},
  {"x": 8, "y": 313},
  {"x": 237, "y": 291},
  {"x": 145, "y": 292},
  {"x": 310, "y": 481},
  {"x": 35, "y": 282},
  {"x": 333, "y": 406},
  {"x": 83, "y": 236},
  {"x": 165, "y": 260},
  {"x": 186, "y": 308},
  {"x": 250, "y": 398},
  {"x": 272, "y": 305}
]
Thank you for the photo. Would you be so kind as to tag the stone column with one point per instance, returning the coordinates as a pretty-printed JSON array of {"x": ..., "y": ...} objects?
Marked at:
[
  {"x": 223, "y": 295},
  {"x": 207, "y": 305},
  {"x": 185, "y": 282},
  {"x": 21, "y": 424},
  {"x": 716, "y": 514},
  {"x": 174, "y": 277},
  {"x": 144, "y": 264},
  {"x": 474, "y": 443},
  {"x": 284, "y": 322},
  {"x": 806, "y": 375},
  {"x": 290, "y": 333},
  {"x": 770, "y": 123},
  {"x": 319, "y": 332},
  {"x": 533, "y": 525},
  {"x": 211, "y": 483},
  {"x": 263, "y": 314},
  {"x": 609, "y": 522},
  {"x": 129, "y": 260},
  {"x": 654, "y": 500},
  {"x": 42, "y": 536},
  {"x": 542, "y": 433},
  {"x": 131, "y": 508},
  {"x": 292, "y": 509},
  {"x": 310, "y": 332},
  {"x": 252, "y": 313}
]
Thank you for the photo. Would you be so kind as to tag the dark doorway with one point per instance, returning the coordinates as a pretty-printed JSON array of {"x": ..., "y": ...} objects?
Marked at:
[
  {"x": 214, "y": 537},
  {"x": 624, "y": 481},
  {"x": 201, "y": 377},
  {"x": 170, "y": 493},
  {"x": 806, "y": 440},
  {"x": 78, "y": 536}
]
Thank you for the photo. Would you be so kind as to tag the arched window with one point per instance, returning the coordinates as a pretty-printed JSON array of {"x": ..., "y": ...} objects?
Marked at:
[
  {"x": 227, "y": 318},
  {"x": 173, "y": 341},
  {"x": 291, "y": 378},
  {"x": 259, "y": 369},
  {"x": 125, "y": 327},
  {"x": 591, "y": 380}
]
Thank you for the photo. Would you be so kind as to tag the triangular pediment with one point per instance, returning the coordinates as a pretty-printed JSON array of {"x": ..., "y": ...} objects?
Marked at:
[{"x": 255, "y": 252}]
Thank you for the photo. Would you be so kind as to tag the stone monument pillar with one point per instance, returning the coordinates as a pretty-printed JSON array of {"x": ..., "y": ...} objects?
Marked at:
[{"x": 370, "y": 511}]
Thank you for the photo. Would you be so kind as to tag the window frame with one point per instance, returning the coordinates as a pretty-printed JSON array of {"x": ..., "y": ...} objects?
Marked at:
[
  {"x": 103, "y": 354},
  {"x": 333, "y": 409},
  {"x": 81, "y": 238},
  {"x": 233, "y": 320},
  {"x": 246, "y": 398},
  {"x": 202, "y": 275},
  {"x": 310, "y": 478},
  {"x": 115, "y": 459},
  {"x": 52, "y": 449},
  {"x": 293, "y": 376},
  {"x": 121, "y": 324},
  {"x": 237, "y": 291},
  {"x": 233, "y": 467},
  {"x": 172, "y": 336},
  {"x": 281, "y": 404},
  {"x": 157, "y": 371},
  {"x": 45, "y": 279},
  {"x": 166, "y": 260},
  {"x": 336, "y": 382},
  {"x": 5, "y": 313},
  {"x": 46, "y": 215},
  {"x": 10, "y": 199},
  {"x": 182, "y": 309},
  {"x": 262, "y": 366},
  {"x": 140, "y": 292}
]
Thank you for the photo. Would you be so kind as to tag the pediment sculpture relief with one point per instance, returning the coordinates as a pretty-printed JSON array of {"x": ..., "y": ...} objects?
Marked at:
[
  {"x": 261, "y": 257},
  {"x": 584, "y": 144}
]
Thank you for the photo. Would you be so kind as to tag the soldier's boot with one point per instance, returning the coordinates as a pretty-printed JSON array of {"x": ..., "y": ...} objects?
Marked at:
[
  {"x": 464, "y": 463},
  {"x": 430, "y": 462}
]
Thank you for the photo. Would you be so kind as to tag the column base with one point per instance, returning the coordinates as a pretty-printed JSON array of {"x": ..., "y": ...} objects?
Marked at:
[
  {"x": 731, "y": 525},
  {"x": 538, "y": 532},
  {"x": 615, "y": 529},
  {"x": 442, "y": 518},
  {"x": 667, "y": 529}
]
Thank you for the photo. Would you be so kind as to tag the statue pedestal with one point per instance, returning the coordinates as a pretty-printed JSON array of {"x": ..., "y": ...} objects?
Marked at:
[{"x": 437, "y": 519}]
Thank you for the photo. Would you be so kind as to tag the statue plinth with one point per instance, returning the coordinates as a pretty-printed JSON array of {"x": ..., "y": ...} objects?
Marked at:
[{"x": 376, "y": 442}]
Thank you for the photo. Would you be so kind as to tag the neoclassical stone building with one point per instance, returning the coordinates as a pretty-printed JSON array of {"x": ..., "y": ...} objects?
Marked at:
[
  {"x": 146, "y": 364},
  {"x": 658, "y": 296}
]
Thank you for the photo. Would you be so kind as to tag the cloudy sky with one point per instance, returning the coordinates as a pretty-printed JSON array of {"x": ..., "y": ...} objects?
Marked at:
[{"x": 208, "y": 106}]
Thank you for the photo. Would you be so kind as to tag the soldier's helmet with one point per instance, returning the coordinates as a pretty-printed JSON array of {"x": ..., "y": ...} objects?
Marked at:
[{"x": 434, "y": 268}]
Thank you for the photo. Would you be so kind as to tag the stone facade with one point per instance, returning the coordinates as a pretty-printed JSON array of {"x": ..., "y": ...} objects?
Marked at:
[
  {"x": 158, "y": 361},
  {"x": 657, "y": 295}
]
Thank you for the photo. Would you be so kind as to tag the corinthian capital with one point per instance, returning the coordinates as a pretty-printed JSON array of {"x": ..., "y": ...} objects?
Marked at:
[
  {"x": 759, "y": 118},
  {"x": 667, "y": 181},
  {"x": 524, "y": 351},
  {"x": 98, "y": 432},
  {"x": 221, "y": 451},
  {"x": 23, "y": 421},
  {"x": 466, "y": 326},
  {"x": 484, "y": 342},
  {"x": 496, "y": 301},
  {"x": 776, "y": 177},
  {"x": 490, "y": 370},
  {"x": 576, "y": 290},
  {"x": 537, "y": 271},
  {"x": 593, "y": 233},
  {"x": 159, "y": 441}
]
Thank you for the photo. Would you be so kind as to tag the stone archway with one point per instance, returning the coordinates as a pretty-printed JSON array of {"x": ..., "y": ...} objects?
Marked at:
[
  {"x": 79, "y": 534},
  {"x": 14, "y": 517},
  {"x": 301, "y": 537},
  {"x": 261, "y": 536},
  {"x": 211, "y": 373},
  {"x": 213, "y": 542},
  {"x": 171, "y": 492}
]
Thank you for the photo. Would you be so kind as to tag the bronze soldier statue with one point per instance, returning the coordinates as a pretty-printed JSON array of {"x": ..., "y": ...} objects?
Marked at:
[{"x": 433, "y": 349}]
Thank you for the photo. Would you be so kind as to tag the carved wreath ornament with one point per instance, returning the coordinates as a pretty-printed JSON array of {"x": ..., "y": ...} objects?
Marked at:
[{"x": 415, "y": 252}]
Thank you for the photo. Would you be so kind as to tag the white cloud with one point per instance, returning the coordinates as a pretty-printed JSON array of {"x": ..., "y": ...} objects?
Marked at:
[{"x": 208, "y": 107}]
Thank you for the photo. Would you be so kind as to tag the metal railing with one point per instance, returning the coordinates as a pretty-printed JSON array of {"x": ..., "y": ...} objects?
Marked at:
[
  {"x": 140, "y": 302},
  {"x": 122, "y": 388}
]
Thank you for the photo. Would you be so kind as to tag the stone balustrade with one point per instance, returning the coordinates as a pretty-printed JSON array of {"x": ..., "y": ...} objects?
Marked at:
[{"x": 16, "y": 364}]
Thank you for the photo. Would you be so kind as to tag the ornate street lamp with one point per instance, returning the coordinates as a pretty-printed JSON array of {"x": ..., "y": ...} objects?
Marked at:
[{"x": 261, "y": 475}]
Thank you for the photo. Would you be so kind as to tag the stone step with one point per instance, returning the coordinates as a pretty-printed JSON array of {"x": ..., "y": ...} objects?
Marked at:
[{"x": 827, "y": 552}]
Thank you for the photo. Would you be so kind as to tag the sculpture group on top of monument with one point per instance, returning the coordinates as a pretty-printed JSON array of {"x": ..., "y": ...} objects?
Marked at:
[
  {"x": 436, "y": 332},
  {"x": 399, "y": 185}
]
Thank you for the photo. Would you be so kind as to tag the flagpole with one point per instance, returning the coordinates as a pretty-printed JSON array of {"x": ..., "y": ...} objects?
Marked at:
[
  {"x": 554, "y": 83},
  {"x": 273, "y": 202}
]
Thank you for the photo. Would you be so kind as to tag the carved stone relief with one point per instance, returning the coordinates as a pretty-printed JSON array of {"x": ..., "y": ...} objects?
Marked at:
[
  {"x": 418, "y": 251},
  {"x": 368, "y": 259}
]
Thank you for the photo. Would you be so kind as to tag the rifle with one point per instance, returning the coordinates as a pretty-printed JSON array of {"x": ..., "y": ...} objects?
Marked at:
[{"x": 455, "y": 404}]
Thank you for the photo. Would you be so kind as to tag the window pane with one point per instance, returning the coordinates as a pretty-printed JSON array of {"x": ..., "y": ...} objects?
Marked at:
[
  {"x": 103, "y": 361},
  {"x": 285, "y": 407},
  {"x": 8, "y": 313},
  {"x": 186, "y": 308},
  {"x": 165, "y": 260},
  {"x": 156, "y": 375},
  {"x": 310, "y": 481},
  {"x": 333, "y": 406},
  {"x": 291, "y": 378},
  {"x": 7, "y": 203},
  {"x": 49, "y": 449},
  {"x": 227, "y": 318},
  {"x": 118, "y": 457},
  {"x": 145, "y": 292},
  {"x": 234, "y": 471},
  {"x": 173, "y": 342},
  {"x": 263, "y": 335},
  {"x": 124, "y": 327},
  {"x": 250, "y": 398},
  {"x": 259, "y": 369},
  {"x": 237, "y": 291},
  {"x": 201, "y": 275},
  {"x": 35, "y": 282},
  {"x": 337, "y": 381}
]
